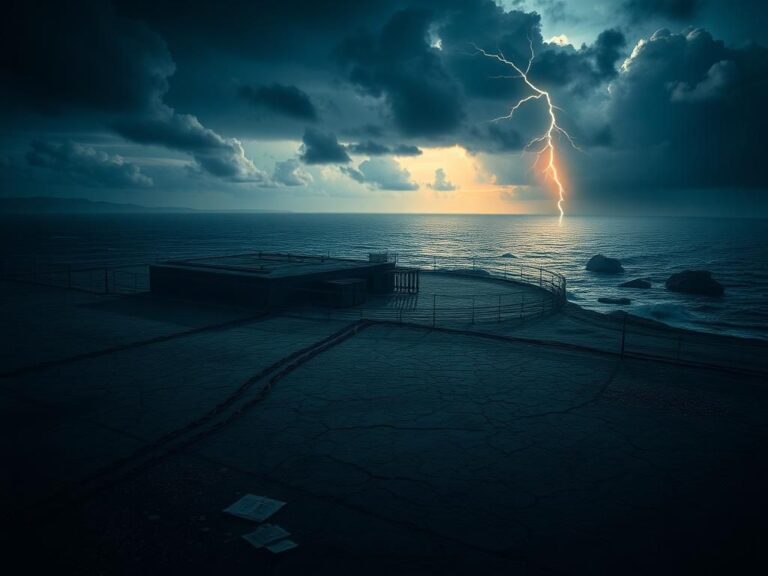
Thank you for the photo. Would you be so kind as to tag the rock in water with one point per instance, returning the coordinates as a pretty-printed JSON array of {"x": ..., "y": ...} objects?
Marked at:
[
  {"x": 638, "y": 283},
  {"x": 622, "y": 301},
  {"x": 695, "y": 282},
  {"x": 600, "y": 263},
  {"x": 508, "y": 255}
]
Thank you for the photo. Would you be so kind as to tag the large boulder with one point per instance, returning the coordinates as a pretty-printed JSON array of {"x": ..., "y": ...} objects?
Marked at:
[
  {"x": 637, "y": 283},
  {"x": 600, "y": 263},
  {"x": 695, "y": 282}
]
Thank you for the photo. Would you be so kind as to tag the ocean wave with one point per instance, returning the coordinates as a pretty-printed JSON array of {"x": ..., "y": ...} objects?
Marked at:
[{"x": 664, "y": 311}]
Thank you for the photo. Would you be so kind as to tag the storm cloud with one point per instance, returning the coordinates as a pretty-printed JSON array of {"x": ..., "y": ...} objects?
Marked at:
[
  {"x": 675, "y": 9},
  {"x": 398, "y": 64},
  {"x": 226, "y": 90},
  {"x": 695, "y": 103},
  {"x": 322, "y": 148},
  {"x": 64, "y": 58},
  {"x": 371, "y": 148},
  {"x": 86, "y": 165},
  {"x": 285, "y": 100}
]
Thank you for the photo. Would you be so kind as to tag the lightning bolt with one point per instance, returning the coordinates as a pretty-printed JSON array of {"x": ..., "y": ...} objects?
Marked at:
[{"x": 546, "y": 141}]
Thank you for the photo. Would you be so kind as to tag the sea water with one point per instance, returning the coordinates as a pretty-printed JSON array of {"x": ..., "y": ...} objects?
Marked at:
[{"x": 735, "y": 250}]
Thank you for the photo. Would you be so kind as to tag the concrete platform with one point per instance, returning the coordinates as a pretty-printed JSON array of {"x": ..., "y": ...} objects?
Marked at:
[
  {"x": 263, "y": 279},
  {"x": 399, "y": 450}
]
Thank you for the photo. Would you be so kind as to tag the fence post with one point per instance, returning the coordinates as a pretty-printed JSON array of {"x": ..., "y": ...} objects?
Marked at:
[
  {"x": 434, "y": 263},
  {"x": 623, "y": 333},
  {"x": 540, "y": 272},
  {"x": 505, "y": 269}
]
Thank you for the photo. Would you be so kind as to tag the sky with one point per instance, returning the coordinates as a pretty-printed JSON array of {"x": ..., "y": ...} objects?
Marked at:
[{"x": 387, "y": 106}]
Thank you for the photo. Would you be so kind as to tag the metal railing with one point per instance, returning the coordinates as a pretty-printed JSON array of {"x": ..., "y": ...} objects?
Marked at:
[
  {"x": 637, "y": 337},
  {"x": 439, "y": 308},
  {"x": 627, "y": 335},
  {"x": 122, "y": 279}
]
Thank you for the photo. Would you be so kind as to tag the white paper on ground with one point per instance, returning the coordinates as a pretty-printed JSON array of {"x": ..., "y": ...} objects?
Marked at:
[
  {"x": 256, "y": 508},
  {"x": 265, "y": 534},
  {"x": 281, "y": 546}
]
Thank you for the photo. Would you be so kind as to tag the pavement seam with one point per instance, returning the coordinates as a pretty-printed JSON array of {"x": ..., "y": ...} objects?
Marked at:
[
  {"x": 153, "y": 453},
  {"x": 130, "y": 346}
]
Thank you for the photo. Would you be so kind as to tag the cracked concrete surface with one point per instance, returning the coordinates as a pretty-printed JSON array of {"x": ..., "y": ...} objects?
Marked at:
[{"x": 399, "y": 450}]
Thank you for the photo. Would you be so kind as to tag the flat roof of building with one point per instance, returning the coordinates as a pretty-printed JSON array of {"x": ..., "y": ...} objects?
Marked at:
[{"x": 273, "y": 265}]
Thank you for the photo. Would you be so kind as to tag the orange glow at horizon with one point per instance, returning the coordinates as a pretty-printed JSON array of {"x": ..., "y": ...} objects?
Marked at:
[{"x": 476, "y": 190}]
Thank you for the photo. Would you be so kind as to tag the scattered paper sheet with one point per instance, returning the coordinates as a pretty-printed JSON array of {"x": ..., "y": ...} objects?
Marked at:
[
  {"x": 266, "y": 534},
  {"x": 281, "y": 546},
  {"x": 256, "y": 508}
]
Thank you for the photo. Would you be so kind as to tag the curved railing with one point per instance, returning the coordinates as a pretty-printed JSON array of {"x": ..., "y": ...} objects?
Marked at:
[
  {"x": 532, "y": 292},
  {"x": 500, "y": 268}
]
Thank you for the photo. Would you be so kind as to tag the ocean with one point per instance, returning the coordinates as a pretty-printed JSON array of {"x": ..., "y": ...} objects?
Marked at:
[{"x": 735, "y": 250}]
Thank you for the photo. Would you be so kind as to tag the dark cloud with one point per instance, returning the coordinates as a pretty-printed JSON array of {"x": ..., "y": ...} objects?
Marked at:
[
  {"x": 674, "y": 9},
  {"x": 61, "y": 55},
  {"x": 406, "y": 150},
  {"x": 486, "y": 25},
  {"x": 219, "y": 156},
  {"x": 88, "y": 58},
  {"x": 383, "y": 174},
  {"x": 399, "y": 65},
  {"x": 278, "y": 31},
  {"x": 495, "y": 137},
  {"x": 556, "y": 10},
  {"x": 322, "y": 148},
  {"x": 568, "y": 70},
  {"x": 289, "y": 173},
  {"x": 608, "y": 50},
  {"x": 285, "y": 100},
  {"x": 579, "y": 72},
  {"x": 441, "y": 182},
  {"x": 684, "y": 112},
  {"x": 689, "y": 110},
  {"x": 371, "y": 148},
  {"x": 85, "y": 165}
]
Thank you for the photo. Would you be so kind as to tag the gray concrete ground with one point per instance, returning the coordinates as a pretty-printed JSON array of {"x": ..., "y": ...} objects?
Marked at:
[{"x": 399, "y": 449}]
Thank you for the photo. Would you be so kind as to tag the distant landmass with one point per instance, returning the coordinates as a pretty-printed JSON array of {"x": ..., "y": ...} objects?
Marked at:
[{"x": 51, "y": 205}]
